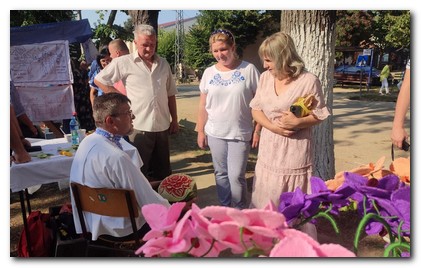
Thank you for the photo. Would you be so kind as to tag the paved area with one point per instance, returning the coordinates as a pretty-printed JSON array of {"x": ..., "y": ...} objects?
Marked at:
[{"x": 361, "y": 135}]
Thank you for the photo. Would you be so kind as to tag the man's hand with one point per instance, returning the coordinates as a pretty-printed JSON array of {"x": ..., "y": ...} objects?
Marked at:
[{"x": 174, "y": 127}]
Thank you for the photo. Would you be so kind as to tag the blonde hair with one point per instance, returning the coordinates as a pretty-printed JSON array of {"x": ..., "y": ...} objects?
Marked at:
[
  {"x": 223, "y": 36},
  {"x": 280, "y": 48}
]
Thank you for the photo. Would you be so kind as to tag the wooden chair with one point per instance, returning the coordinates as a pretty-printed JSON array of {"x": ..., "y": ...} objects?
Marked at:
[{"x": 107, "y": 202}]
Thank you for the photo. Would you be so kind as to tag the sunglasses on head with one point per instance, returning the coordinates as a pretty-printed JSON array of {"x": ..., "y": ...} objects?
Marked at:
[{"x": 222, "y": 31}]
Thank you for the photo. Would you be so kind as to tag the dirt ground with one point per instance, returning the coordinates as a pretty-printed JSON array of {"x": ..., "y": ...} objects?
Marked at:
[{"x": 187, "y": 158}]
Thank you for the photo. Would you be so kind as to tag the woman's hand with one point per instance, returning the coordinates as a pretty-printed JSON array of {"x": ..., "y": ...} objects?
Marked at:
[
  {"x": 202, "y": 140},
  {"x": 284, "y": 132},
  {"x": 398, "y": 135},
  {"x": 288, "y": 121},
  {"x": 255, "y": 140}
]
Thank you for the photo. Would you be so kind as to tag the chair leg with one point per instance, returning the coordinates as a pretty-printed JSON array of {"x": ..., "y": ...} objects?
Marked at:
[{"x": 102, "y": 251}]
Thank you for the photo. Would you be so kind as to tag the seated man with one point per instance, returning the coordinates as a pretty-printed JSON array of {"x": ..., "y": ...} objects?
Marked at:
[{"x": 100, "y": 162}]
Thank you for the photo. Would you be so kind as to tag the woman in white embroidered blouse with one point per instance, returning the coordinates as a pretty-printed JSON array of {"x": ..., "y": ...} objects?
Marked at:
[{"x": 224, "y": 120}]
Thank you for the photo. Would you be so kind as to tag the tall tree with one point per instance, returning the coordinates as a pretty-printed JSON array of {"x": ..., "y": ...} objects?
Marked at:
[
  {"x": 105, "y": 32},
  {"x": 313, "y": 32},
  {"x": 149, "y": 17},
  {"x": 165, "y": 46},
  {"x": 28, "y": 17}
]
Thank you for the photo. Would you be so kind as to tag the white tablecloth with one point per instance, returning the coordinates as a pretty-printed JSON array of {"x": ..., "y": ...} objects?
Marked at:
[{"x": 56, "y": 168}]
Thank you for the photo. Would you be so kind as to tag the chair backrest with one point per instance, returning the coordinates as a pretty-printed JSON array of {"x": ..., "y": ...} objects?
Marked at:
[{"x": 105, "y": 201}]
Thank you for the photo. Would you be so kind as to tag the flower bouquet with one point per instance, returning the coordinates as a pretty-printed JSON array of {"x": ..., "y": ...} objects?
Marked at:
[
  {"x": 382, "y": 203},
  {"x": 209, "y": 231}
]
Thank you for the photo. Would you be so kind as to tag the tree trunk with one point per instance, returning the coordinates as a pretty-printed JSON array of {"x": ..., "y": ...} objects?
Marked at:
[
  {"x": 111, "y": 18},
  {"x": 149, "y": 17},
  {"x": 314, "y": 34}
]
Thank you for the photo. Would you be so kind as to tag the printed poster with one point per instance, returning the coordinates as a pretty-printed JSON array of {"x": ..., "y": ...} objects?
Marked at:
[{"x": 47, "y": 103}]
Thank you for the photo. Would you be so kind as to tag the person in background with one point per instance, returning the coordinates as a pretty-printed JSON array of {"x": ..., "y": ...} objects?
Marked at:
[
  {"x": 93, "y": 70},
  {"x": 224, "y": 119},
  {"x": 399, "y": 133},
  {"x": 118, "y": 48},
  {"x": 384, "y": 75},
  {"x": 17, "y": 141},
  {"x": 84, "y": 67},
  {"x": 81, "y": 97},
  {"x": 151, "y": 88},
  {"x": 27, "y": 127},
  {"x": 285, "y": 157},
  {"x": 100, "y": 162},
  {"x": 102, "y": 59}
]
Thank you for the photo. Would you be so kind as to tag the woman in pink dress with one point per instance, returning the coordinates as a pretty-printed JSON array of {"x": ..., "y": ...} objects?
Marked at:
[{"x": 285, "y": 150}]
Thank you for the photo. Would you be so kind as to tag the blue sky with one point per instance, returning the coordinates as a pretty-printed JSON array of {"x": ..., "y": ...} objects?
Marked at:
[{"x": 164, "y": 16}]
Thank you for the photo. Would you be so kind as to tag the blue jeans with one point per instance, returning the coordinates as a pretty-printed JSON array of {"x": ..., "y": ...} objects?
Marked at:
[{"x": 229, "y": 159}]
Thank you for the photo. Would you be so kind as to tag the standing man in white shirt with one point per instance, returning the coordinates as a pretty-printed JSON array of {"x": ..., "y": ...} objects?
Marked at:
[
  {"x": 100, "y": 162},
  {"x": 151, "y": 88}
]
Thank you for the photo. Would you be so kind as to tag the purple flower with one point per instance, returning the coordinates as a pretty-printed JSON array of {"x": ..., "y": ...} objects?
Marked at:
[
  {"x": 320, "y": 193},
  {"x": 295, "y": 204},
  {"x": 370, "y": 190},
  {"x": 372, "y": 187},
  {"x": 397, "y": 210}
]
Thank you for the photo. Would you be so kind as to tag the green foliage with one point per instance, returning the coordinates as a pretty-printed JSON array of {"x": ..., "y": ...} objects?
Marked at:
[
  {"x": 246, "y": 25},
  {"x": 399, "y": 29},
  {"x": 105, "y": 32},
  {"x": 29, "y": 17},
  {"x": 353, "y": 27},
  {"x": 196, "y": 51},
  {"x": 381, "y": 29},
  {"x": 166, "y": 45}
]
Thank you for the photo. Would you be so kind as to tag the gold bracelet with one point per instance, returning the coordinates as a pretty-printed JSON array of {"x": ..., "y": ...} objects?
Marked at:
[{"x": 258, "y": 132}]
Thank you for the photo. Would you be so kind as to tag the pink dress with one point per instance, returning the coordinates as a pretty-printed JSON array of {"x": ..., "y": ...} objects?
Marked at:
[{"x": 284, "y": 163}]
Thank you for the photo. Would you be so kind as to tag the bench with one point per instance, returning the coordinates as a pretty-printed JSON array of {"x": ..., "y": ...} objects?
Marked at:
[
  {"x": 350, "y": 78},
  {"x": 396, "y": 77},
  {"x": 191, "y": 77}
]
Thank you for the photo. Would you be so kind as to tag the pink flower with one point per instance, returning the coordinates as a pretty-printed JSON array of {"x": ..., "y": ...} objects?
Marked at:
[
  {"x": 161, "y": 219},
  {"x": 189, "y": 235},
  {"x": 208, "y": 231},
  {"x": 298, "y": 244},
  {"x": 193, "y": 227},
  {"x": 162, "y": 247},
  {"x": 259, "y": 228}
]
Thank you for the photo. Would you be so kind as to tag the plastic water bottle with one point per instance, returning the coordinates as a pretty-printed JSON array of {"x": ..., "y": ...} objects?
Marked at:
[{"x": 74, "y": 127}]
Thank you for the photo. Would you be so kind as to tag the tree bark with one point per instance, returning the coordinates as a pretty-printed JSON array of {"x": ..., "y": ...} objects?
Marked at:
[
  {"x": 149, "y": 17},
  {"x": 111, "y": 18},
  {"x": 314, "y": 34}
]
